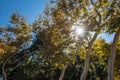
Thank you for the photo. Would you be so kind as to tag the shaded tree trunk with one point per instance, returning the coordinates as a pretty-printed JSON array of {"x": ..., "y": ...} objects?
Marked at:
[
  {"x": 63, "y": 72},
  {"x": 111, "y": 60},
  {"x": 86, "y": 64},
  {"x": 4, "y": 65}
]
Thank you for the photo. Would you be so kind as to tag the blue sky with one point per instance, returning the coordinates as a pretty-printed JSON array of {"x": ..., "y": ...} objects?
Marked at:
[
  {"x": 108, "y": 37},
  {"x": 28, "y": 8}
]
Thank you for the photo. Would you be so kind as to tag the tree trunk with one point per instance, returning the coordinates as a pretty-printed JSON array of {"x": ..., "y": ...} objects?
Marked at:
[
  {"x": 86, "y": 64},
  {"x": 112, "y": 56},
  {"x": 4, "y": 65},
  {"x": 63, "y": 73}
]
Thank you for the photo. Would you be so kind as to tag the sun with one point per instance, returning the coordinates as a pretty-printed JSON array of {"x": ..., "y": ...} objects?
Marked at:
[{"x": 77, "y": 31}]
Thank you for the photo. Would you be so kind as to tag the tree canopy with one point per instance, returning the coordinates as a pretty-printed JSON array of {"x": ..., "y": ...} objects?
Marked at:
[{"x": 63, "y": 43}]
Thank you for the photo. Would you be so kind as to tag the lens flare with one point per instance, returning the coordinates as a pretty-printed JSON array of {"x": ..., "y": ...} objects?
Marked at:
[{"x": 77, "y": 31}]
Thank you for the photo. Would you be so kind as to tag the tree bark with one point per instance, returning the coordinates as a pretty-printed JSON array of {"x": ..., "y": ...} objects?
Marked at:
[
  {"x": 86, "y": 64},
  {"x": 111, "y": 59},
  {"x": 4, "y": 65},
  {"x": 63, "y": 72}
]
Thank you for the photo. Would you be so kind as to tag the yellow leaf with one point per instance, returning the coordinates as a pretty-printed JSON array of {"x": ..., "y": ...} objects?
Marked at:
[{"x": 1, "y": 51}]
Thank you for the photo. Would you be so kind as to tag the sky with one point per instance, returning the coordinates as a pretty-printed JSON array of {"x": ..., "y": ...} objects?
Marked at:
[
  {"x": 108, "y": 37},
  {"x": 28, "y": 8}
]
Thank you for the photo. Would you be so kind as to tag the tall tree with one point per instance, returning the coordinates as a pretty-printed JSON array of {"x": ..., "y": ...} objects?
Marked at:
[
  {"x": 111, "y": 60},
  {"x": 14, "y": 37}
]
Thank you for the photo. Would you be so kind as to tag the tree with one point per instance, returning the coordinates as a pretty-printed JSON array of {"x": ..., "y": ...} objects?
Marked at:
[
  {"x": 13, "y": 38},
  {"x": 52, "y": 47},
  {"x": 112, "y": 55},
  {"x": 94, "y": 16}
]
